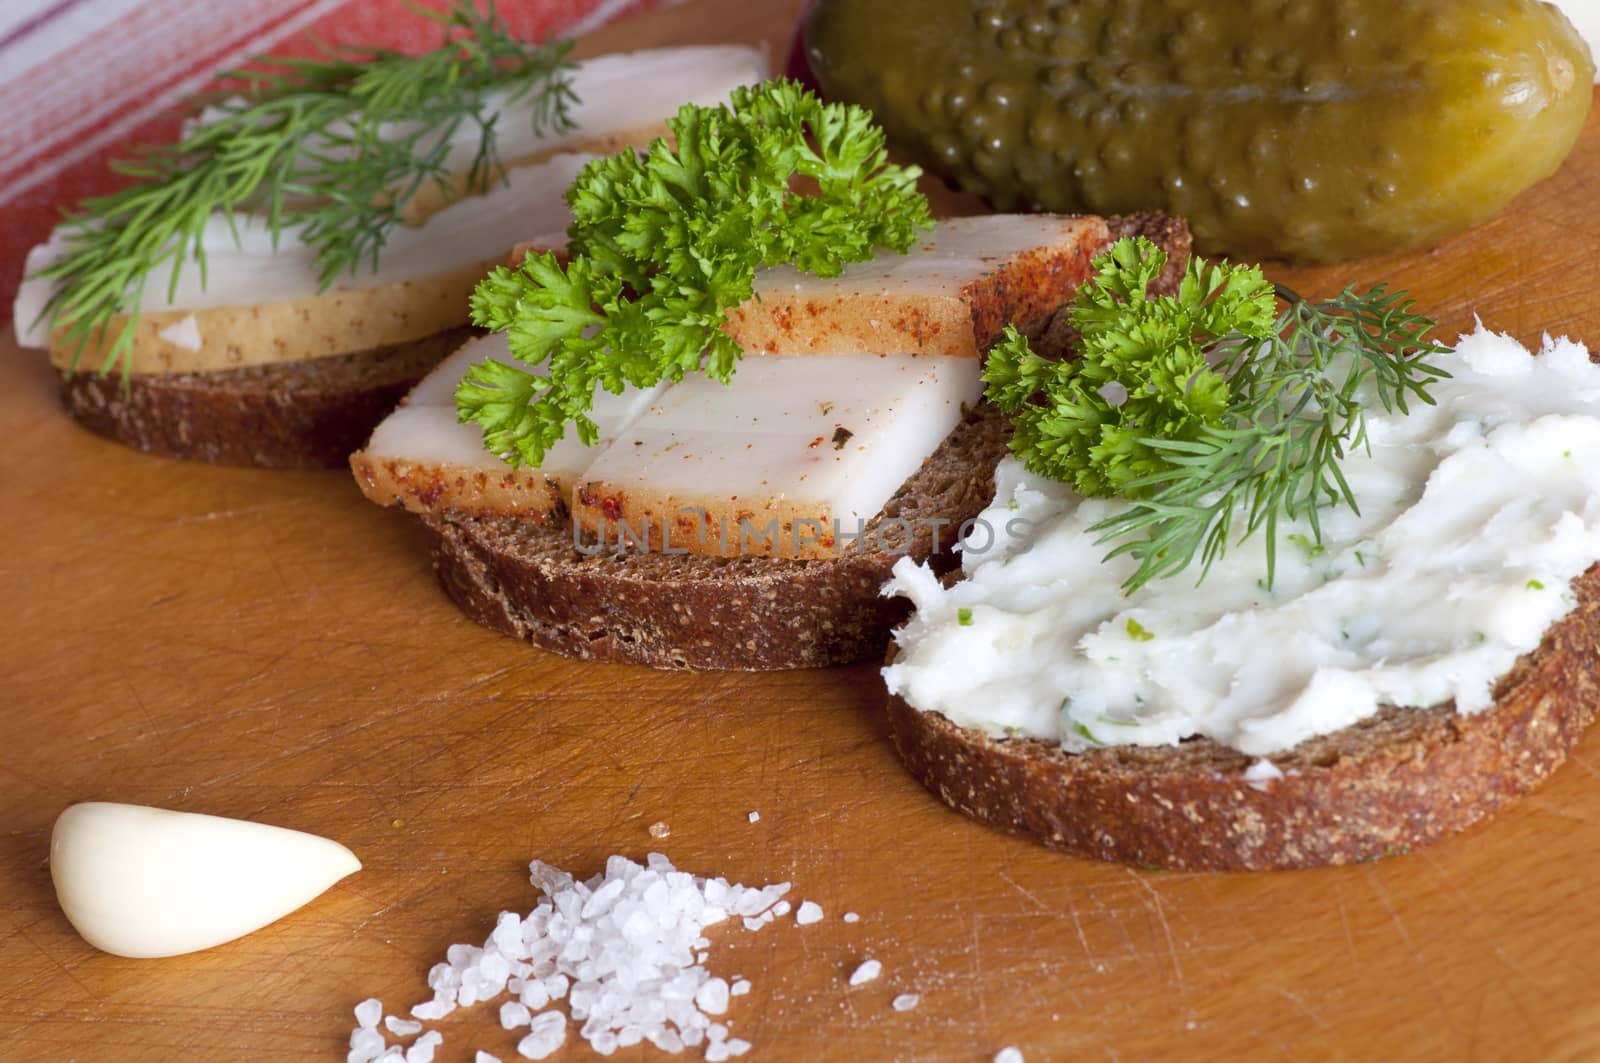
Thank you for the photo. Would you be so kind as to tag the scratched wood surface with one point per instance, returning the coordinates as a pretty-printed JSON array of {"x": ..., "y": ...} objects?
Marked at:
[{"x": 268, "y": 645}]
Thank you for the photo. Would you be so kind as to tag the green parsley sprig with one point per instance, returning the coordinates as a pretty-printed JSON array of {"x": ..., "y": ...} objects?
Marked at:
[
  {"x": 331, "y": 148},
  {"x": 1208, "y": 408},
  {"x": 663, "y": 245}
]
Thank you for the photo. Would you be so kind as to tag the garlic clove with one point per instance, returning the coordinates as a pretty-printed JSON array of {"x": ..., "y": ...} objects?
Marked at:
[{"x": 139, "y": 881}]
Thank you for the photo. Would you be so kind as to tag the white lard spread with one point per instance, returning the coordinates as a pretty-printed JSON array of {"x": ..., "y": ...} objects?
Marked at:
[{"x": 1475, "y": 516}]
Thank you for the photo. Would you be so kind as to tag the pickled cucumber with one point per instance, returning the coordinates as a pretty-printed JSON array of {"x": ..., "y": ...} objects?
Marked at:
[{"x": 1310, "y": 130}]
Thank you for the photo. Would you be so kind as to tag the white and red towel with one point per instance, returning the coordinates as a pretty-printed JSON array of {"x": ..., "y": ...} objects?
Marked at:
[{"x": 81, "y": 81}]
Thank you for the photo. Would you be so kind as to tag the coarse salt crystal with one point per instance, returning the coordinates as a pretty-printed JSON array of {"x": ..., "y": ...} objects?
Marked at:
[
  {"x": 546, "y": 1033},
  {"x": 755, "y": 817},
  {"x": 483, "y": 1057},
  {"x": 368, "y": 1012},
  {"x": 402, "y": 1027},
  {"x": 1008, "y": 1054},
  {"x": 421, "y": 1050},
  {"x": 659, "y": 830},
  {"x": 442, "y": 976},
  {"x": 431, "y": 1010},
  {"x": 810, "y": 912},
  {"x": 534, "y": 995},
  {"x": 366, "y": 1045},
  {"x": 626, "y": 949},
  {"x": 851, "y": 917},
  {"x": 1114, "y": 393},
  {"x": 1261, "y": 774},
  {"x": 712, "y": 997},
  {"x": 184, "y": 333},
  {"x": 905, "y": 1002},
  {"x": 868, "y": 970}
]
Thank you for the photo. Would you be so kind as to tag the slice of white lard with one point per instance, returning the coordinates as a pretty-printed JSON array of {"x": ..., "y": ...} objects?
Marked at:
[
  {"x": 610, "y": 111},
  {"x": 792, "y": 458},
  {"x": 607, "y": 108},
  {"x": 1476, "y": 514},
  {"x": 950, "y": 294},
  {"x": 256, "y": 269},
  {"x": 424, "y": 458}
]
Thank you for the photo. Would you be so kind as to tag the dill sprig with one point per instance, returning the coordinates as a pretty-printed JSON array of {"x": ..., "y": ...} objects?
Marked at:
[
  {"x": 1208, "y": 409},
  {"x": 331, "y": 149}
]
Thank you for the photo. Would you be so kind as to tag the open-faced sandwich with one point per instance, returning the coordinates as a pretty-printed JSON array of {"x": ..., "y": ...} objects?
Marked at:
[
  {"x": 270, "y": 286},
  {"x": 1262, "y": 589},
  {"x": 658, "y": 506}
]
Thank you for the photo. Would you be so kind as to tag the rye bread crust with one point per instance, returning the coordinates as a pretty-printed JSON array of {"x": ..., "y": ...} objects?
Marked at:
[
  {"x": 531, "y": 581},
  {"x": 1400, "y": 779},
  {"x": 309, "y": 414}
]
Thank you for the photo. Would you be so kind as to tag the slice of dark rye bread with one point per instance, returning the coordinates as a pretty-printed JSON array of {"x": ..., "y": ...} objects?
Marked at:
[
  {"x": 308, "y": 414},
  {"x": 1401, "y": 778},
  {"x": 532, "y": 582},
  {"x": 737, "y": 613}
]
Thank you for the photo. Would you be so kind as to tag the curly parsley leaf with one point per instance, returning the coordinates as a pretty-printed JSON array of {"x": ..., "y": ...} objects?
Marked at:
[
  {"x": 1208, "y": 404},
  {"x": 663, "y": 245}
]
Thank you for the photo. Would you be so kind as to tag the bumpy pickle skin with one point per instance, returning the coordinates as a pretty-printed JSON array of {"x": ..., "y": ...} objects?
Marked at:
[{"x": 1307, "y": 130}]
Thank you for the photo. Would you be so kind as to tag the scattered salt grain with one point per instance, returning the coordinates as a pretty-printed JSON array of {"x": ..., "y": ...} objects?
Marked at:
[
  {"x": 1008, "y": 1054},
  {"x": 421, "y": 1050},
  {"x": 905, "y": 1002},
  {"x": 868, "y": 970},
  {"x": 1114, "y": 392},
  {"x": 1261, "y": 774},
  {"x": 810, "y": 912},
  {"x": 366, "y": 1045},
  {"x": 755, "y": 817},
  {"x": 402, "y": 1027},
  {"x": 659, "y": 830},
  {"x": 712, "y": 997},
  {"x": 626, "y": 949},
  {"x": 851, "y": 917},
  {"x": 483, "y": 1057},
  {"x": 368, "y": 1012},
  {"x": 432, "y": 1010},
  {"x": 185, "y": 334},
  {"x": 547, "y": 1033},
  {"x": 534, "y": 995}
]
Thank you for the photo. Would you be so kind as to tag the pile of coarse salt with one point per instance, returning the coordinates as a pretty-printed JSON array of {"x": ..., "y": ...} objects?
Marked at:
[{"x": 626, "y": 950}]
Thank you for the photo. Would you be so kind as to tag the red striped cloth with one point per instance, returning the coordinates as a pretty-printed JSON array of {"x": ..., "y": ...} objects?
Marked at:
[{"x": 82, "y": 80}]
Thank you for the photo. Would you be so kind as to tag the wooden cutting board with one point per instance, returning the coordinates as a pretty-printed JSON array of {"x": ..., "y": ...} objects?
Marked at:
[{"x": 269, "y": 645}]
